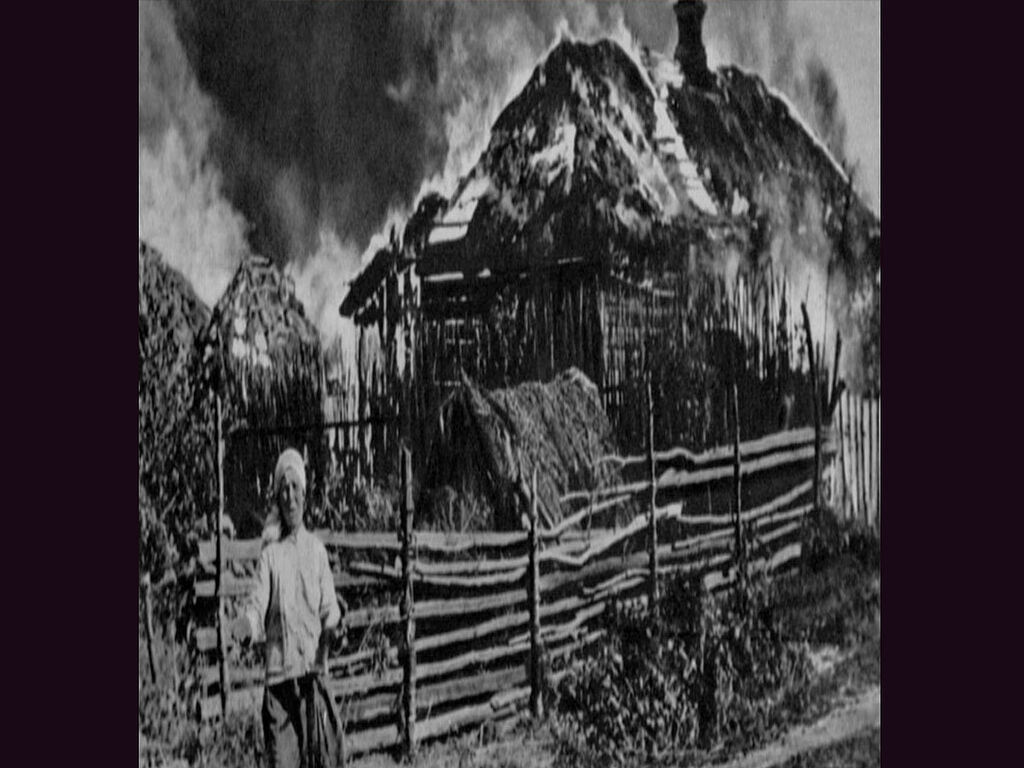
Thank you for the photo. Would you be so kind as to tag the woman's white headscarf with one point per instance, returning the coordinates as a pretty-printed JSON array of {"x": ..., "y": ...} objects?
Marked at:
[{"x": 289, "y": 459}]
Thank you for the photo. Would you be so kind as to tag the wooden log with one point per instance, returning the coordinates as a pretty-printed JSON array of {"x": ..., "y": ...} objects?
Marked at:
[
  {"x": 610, "y": 565},
  {"x": 343, "y": 540},
  {"x": 378, "y": 571},
  {"x": 240, "y": 678},
  {"x": 475, "y": 632},
  {"x": 878, "y": 462},
  {"x": 247, "y": 699},
  {"x": 535, "y": 674},
  {"x": 148, "y": 618},
  {"x": 682, "y": 479},
  {"x": 471, "y": 658},
  {"x": 596, "y": 548},
  {"x": 863, "y": 460},
  {"x": 222, "y": 661},
  {"x": 355, "y": 658},
  {"x": 471, "y": 567},
  {"x": 870, "y": 426},
  {"x": 674, "y": 511},
  {"x": 408, "y": 612},
  {"x": 652, "y": 536},
  {"x": 844, "y": 485},
  {"x": 837, "y": 384},
  {"x": 562, "y": 528},
  {"x": 780, "y": 517},
  {"x": 599, "y": 589},
  {"x": 364, "y": 617},
  {"x": 230, "y": 586},
  {"x": 737, "y": 477},
  {"x": 700, "y": 542},
  {"x": 232, "y": 550},
  {"x": 816, "y": 402},
  {"x": 365, "y": 683},
  {"x": 752, "y": 448},
  {"x": 699, "y": 566},
  {"x": 460, "y": 542},
  {"x": 587, "y": 601},
  {"x": 471, "y": 582},
  {"x": 462, "y": 606},
  {"x": 627, "y": 489},
  {"x": 360, "y": 710},
  {"x": 778, "y": 533},
  {"x": 875, "y": 469},
  {"x": 471, "y": 715},
  {"x": 451, "y": 691},
  {"x": 371, "y": 740}
]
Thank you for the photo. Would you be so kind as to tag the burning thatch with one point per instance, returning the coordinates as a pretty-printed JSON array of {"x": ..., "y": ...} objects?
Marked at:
[{"x": 487, "y": 444}]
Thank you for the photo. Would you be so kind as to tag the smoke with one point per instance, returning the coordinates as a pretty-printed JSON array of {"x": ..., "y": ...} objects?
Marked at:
[
  {"x": 767, "y": 38},
  {"x": 182, "y": 209},
  {"x": 304, "y": 131},
  {"x": 771, "y": 39}
]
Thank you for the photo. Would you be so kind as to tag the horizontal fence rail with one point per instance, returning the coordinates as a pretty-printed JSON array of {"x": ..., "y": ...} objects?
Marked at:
[{"x": 470, "y": 627}]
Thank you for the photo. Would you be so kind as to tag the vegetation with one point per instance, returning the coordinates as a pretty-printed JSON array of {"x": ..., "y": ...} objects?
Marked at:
[
  {"x": 713, "y": 676},
  {"x": 707, "y": 672}
]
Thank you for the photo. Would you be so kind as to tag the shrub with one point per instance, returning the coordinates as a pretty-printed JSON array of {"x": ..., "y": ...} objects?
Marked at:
[{"x": 705, "y": 671}]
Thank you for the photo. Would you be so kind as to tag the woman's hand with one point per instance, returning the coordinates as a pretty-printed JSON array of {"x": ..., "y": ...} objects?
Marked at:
[
  {"x": 323, "y": 648},
  {"x": 241, "y": 630}
]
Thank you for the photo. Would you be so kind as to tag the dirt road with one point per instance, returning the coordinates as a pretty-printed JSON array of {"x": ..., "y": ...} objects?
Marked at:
[{"x": 860, "y": 713}]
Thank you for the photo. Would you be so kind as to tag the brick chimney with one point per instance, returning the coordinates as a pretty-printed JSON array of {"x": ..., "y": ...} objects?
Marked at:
[{"x": 690, "y": 51}]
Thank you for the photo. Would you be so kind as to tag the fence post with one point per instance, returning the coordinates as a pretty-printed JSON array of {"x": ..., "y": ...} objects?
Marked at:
[
  {"x": 407, "y": 609},
  {"x": 816, "y": 402},
  {"x": 862, "y": 438},
  {"x": 148, "y": 608},
  {"x": 737, "y": 473},
  {"x": 652, "y": 606},
  {"x": 222, "y": 664},
  {"x": 536, "y": 699},
  {"x": 878, "y": 462}
]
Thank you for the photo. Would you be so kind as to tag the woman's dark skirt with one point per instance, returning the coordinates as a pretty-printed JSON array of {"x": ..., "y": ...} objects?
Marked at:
[{"x": 300, "y": 725}]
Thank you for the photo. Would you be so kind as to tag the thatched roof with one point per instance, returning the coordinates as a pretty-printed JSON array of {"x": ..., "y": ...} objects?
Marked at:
[{"x": 487, "y": 445}]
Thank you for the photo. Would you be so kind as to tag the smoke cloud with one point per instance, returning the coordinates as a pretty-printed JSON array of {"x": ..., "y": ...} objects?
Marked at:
[
  {"x": 182, "y": 208},
  {"x": 768, "y": 39},
  {"x": 304, "y": 132}
]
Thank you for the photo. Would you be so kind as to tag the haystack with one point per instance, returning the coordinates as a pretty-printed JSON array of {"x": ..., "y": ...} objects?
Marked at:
[
  {"x": 268, "y": 357},
  {"x": 487, "y": 444}
]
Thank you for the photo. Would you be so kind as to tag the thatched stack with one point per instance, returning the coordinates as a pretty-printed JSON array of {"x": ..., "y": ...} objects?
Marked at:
[
  {"x": 174, "y": 433},
  {"x": 260, "y": 314},
  {"x": 264, "y": 357},
  {"x": 487, "y": 445}
]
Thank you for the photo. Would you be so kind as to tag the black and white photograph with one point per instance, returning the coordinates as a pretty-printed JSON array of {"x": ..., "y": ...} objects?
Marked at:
[{"x": 509, "y": 383}]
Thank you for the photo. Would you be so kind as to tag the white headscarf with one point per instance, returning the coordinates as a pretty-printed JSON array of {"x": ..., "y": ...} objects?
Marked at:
[{"x": 289, "y": 459}]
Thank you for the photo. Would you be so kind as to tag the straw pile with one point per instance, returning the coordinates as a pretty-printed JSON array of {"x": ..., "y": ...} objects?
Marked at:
[{"x": 489, "y": 443}]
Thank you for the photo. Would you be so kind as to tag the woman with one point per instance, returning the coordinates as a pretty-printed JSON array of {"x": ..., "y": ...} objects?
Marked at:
[{"x": 295, "y": 610}]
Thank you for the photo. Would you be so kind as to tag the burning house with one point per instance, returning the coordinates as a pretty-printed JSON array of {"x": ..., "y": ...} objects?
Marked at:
[{"x": 614, "y": 186}]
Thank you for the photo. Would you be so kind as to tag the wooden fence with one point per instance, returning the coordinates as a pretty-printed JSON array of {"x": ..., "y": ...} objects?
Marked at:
[
  {"x": 855, "y": 486},
  {"x": 450, "y": 630}
]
